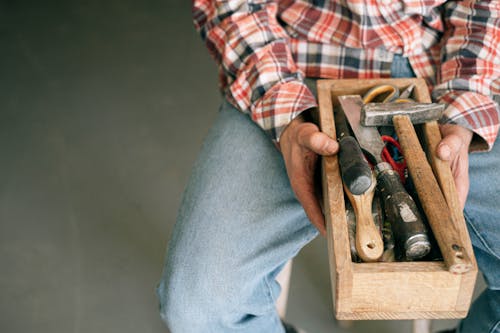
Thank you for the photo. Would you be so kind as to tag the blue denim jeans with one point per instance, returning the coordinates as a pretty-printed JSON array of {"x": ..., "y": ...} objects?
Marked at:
[{"x": 239, "y": 223}]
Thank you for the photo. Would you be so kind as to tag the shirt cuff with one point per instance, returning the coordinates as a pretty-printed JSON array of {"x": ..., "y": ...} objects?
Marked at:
[
  {"x": 474, "y": 111},
  {"x": 280, "y": 105}
]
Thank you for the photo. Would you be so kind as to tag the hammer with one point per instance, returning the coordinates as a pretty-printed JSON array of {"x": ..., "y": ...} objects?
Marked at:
[{"x": 434, "y": 204}]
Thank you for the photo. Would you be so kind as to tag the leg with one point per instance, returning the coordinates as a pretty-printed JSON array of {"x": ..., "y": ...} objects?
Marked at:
[
  {"x": 239, "y": 223},
  {"x": 482, "y": 213}
]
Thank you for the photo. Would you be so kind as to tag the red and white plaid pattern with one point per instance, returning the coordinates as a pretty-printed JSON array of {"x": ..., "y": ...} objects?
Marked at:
[{"x": 265, "y": 48}]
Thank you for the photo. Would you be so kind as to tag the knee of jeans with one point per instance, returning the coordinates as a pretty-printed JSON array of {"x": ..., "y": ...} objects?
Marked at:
[
  {"x": 183, "y": 307},
  {"x": 177, "y": 309},
  {"x": 203, "y": 300}
]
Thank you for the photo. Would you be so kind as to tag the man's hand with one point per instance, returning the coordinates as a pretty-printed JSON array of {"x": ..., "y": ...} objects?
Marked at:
[
  {"x": 300, "y": 144},
  {"x": 454, "y": 148}
]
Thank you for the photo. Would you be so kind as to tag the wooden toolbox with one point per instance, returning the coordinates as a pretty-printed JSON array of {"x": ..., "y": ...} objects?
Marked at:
[{"x": 389, "y": 290}]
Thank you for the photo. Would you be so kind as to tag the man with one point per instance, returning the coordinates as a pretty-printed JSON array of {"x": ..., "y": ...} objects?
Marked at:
[{"x": 250, "y": 207}]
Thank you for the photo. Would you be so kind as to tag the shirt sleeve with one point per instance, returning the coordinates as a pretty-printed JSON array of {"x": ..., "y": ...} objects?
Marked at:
[
  {"x": 469, "y": 78},
  {"x": 258, "y": 73}
]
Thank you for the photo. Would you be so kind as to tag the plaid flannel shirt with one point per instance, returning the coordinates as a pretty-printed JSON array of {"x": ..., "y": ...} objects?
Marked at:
[{"x": 265, "y": 48}]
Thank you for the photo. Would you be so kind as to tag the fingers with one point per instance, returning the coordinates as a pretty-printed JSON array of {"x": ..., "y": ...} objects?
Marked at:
[
  {"x": 462, "y": 190},
  {"x": 300, "y": 145},
  {"x": 301, "y": 170},
  {"x": 449, "y": 147},
  {"x": 306, "y": 195},
  {"x": 310, "y": 137},
  {"x": 454, "y": 148}
]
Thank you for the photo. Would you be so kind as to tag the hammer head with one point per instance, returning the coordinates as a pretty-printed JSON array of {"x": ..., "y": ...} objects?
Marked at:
[{"x": 380, "y": 114}]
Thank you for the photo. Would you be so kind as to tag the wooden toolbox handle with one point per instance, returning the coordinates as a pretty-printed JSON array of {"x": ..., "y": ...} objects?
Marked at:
[{"x": 432, "y": 199}]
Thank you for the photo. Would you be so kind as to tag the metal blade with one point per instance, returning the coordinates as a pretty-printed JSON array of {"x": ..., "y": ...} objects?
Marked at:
[
  {"x": 407, "y": 92},
  {"x": 368, "y": 137}
]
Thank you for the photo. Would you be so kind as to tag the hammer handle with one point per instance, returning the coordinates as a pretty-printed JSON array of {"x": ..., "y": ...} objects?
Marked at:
[{"x": 433, "y": 202}]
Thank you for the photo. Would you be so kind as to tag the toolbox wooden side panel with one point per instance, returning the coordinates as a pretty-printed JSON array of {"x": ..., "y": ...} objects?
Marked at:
[
  {"x": 399, "y": 290},
  {"x": 404, "y": 288},
  {"x": 334, "y": 208}
]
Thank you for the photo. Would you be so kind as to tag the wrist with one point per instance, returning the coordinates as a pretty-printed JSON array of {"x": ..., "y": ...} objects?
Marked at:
[{"x": 288, "y": 132}]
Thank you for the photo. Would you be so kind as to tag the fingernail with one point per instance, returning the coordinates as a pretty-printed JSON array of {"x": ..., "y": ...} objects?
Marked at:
[
  {"x": 444, "y": 152},
  {"x": 330, "y": 147}
]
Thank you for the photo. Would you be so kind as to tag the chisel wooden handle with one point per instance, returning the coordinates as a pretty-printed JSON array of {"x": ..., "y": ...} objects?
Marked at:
[
  {"x": 369, "y": 244},
  {"x": 433, "y": 202}
]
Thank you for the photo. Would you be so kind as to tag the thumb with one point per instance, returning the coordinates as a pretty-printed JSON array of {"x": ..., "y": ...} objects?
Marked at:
[
  {"x": 311, "y": 138},
  {"x": 449, "y": 147}
]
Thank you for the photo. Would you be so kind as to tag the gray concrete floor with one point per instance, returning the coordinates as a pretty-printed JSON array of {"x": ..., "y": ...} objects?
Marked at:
[{"x": 103, "y": 107}]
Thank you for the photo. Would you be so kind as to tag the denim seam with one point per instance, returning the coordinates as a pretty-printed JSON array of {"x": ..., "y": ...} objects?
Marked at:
[
  {"x": 483, "y": 241},
  {"x": 273, "y": 299},
  {"x": 269, "y": 290}
]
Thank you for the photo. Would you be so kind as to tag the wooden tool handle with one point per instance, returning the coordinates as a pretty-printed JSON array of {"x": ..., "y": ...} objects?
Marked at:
[
  {"x": 369, "y": 244},
  {"x": 433, "y": 202}
]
